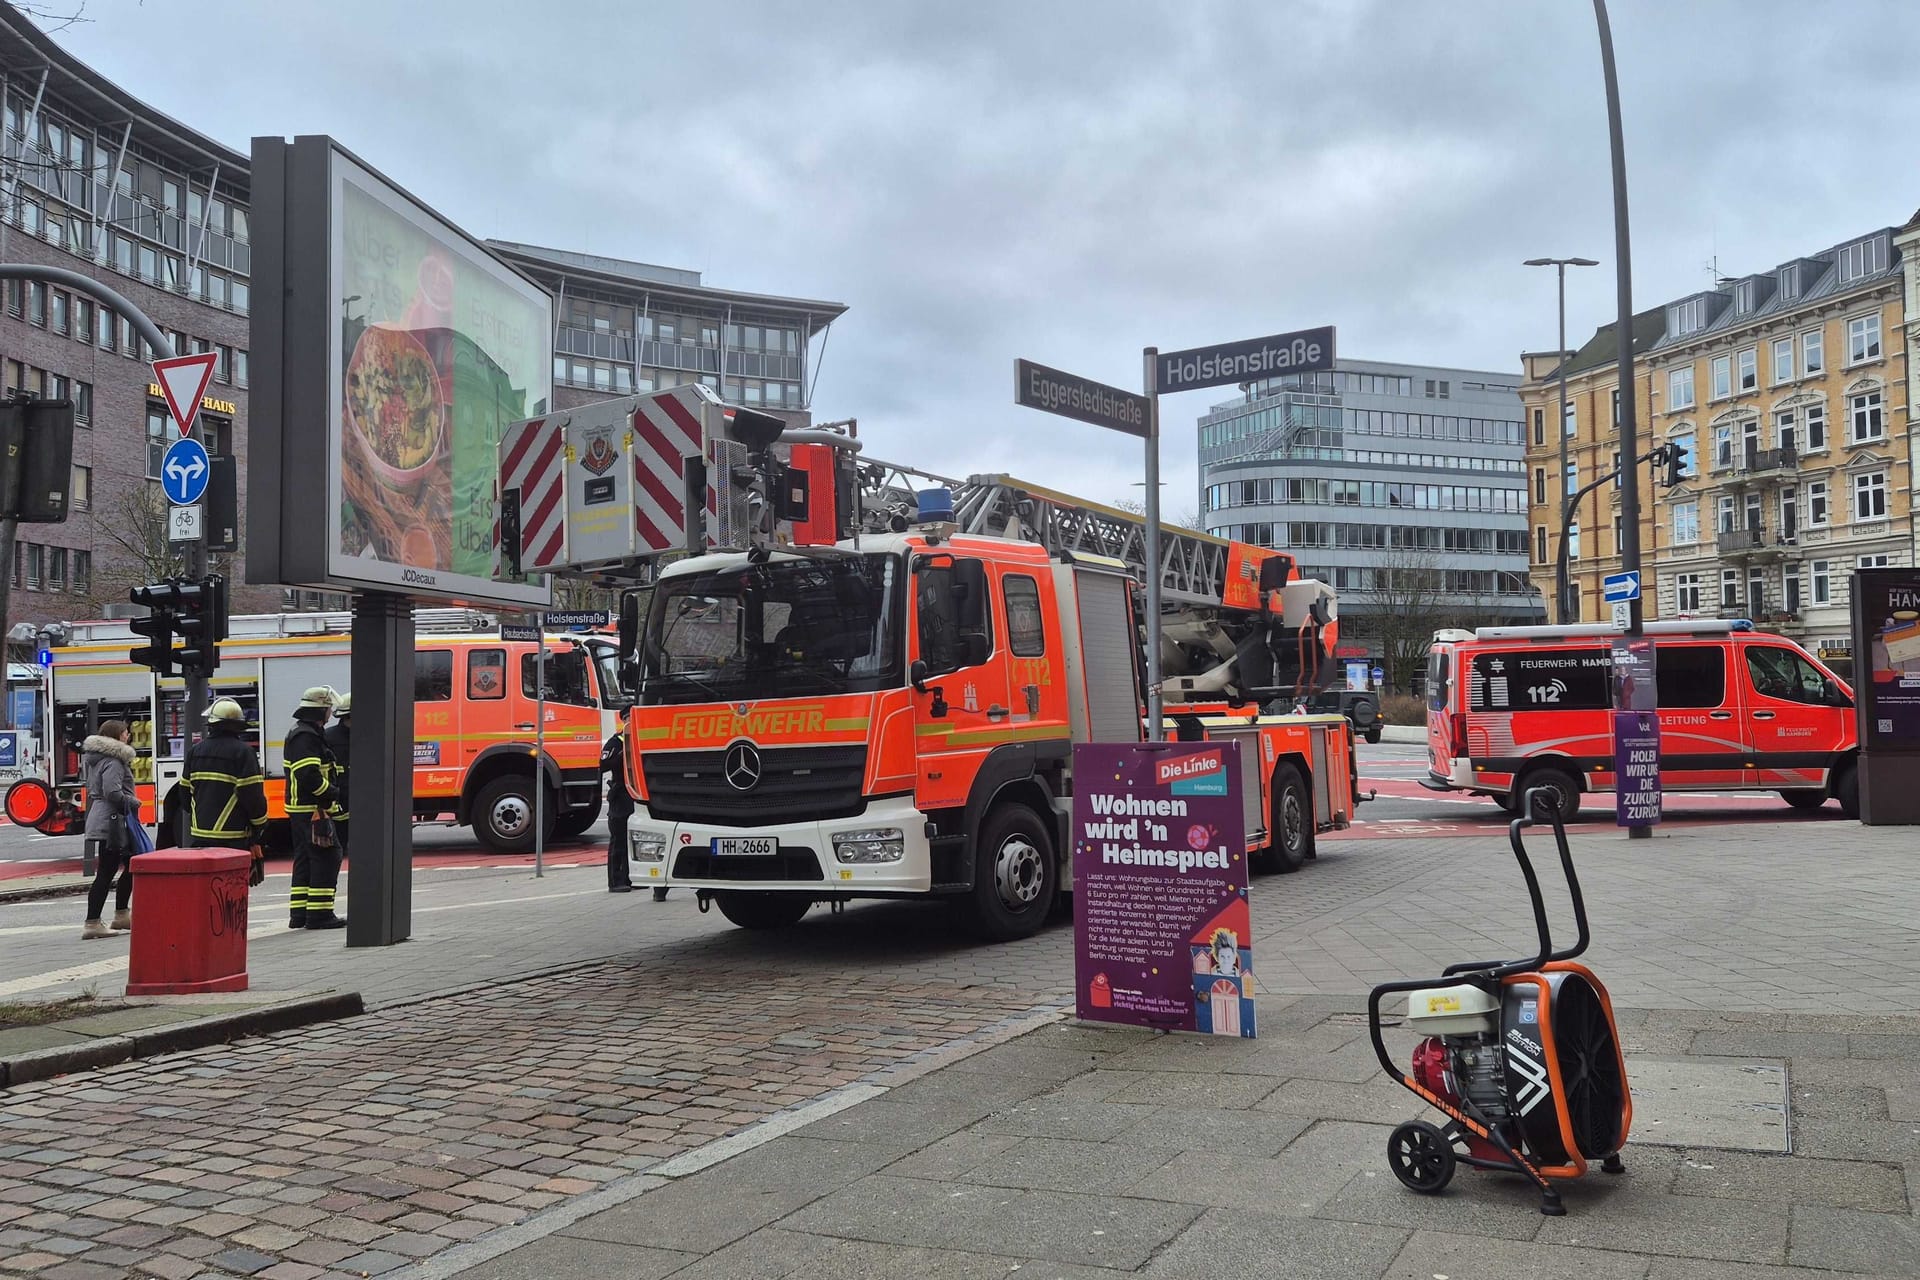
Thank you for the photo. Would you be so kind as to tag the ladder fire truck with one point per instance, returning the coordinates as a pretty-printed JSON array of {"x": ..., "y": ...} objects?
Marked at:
[{"x": 854, "y": 679}]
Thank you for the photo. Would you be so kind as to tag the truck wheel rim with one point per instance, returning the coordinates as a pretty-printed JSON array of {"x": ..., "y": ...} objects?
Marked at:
[
  {"x": 1018, "y": 872},
  {"x": 511, "y": 816},
  {"x": 1292, "y": 821}
]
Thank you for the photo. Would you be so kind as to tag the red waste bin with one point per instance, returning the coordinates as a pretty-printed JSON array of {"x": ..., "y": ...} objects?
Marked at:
[{"x": 190, "y": 923}]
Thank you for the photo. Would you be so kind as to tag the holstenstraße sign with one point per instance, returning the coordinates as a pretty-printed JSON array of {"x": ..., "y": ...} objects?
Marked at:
[
  {"x": 1307, "y": 351},
  {"x": 1071, "y": 396}
]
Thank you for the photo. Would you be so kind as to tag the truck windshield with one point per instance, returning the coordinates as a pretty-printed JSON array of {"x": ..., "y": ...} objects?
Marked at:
[{"x": 783, "y": 629}]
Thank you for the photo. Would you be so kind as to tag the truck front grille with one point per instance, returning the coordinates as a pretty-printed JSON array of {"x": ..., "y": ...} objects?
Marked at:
[{"x": 796, "y": 784}]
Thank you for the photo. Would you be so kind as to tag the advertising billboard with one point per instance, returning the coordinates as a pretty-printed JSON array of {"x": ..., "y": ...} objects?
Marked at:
[
  {"x": 397, "y": 351},
  {"x": 1888, "y": 608}
]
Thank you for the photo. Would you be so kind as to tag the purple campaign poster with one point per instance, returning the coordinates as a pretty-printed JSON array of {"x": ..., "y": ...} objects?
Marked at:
[
  {"x": 1161, "y": 933},
  {"x": 1636, "y": 768}
]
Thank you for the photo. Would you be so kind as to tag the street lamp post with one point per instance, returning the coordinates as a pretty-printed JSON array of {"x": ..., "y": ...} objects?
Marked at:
[{"x": 1560, "y": 571}]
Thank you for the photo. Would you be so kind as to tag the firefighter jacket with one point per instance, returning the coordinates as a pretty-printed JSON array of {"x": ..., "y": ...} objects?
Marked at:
[
  {"x": 613, "y": 763},
  {"x": 228, "y": 797},
  {"x": 310, "y": 769},
  {"x": 339, "y": 738}
]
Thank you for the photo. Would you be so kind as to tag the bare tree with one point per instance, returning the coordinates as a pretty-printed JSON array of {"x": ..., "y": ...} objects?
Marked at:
[
  {"x": 1409, "y": 601},
  {"x": 1188, "y": 519}
]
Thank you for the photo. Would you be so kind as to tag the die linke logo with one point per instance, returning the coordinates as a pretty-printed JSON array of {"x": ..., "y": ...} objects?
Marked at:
[
  {"x": 599, "y": 457},
  {"x": 1201, "y": 773}
]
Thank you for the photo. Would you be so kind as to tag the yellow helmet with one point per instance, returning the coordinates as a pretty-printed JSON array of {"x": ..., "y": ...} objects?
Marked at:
[
  {"x": 318, "y": 696},
  {"x": 226, "y": 709},
  {"x": 343, "y": 705}
]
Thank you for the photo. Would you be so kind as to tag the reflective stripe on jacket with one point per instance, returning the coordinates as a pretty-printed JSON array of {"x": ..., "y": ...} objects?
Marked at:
[{"x": 309, "y": 769}]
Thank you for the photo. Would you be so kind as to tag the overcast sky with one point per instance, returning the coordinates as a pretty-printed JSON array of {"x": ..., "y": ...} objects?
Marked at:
[{"x": 1070, "y": 182}]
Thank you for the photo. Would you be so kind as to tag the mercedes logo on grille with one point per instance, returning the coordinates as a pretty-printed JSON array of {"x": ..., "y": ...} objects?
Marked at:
[{"x": 742, "y": 766}]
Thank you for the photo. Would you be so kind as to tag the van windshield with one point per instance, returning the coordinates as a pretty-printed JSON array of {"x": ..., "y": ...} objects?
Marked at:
[{"x": 789, "y": 628}]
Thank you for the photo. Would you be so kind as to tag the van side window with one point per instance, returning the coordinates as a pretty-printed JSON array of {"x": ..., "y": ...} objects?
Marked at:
[
  {"x": 433, "y": 676},
  {"x": 486, "y": 674},
  {"x": 1439, "y": 671},
  {"x": 1784, "y": 674},
  {"x": 1540, "y": 680},
  {"x": 1026, "y": 630},
  {"x": 1691, "y": 675}
]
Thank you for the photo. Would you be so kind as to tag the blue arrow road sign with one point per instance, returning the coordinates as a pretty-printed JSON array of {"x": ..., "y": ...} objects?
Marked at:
[
  {"x": 1618, "y": 588},
  {"x": 183, "y": 472}
]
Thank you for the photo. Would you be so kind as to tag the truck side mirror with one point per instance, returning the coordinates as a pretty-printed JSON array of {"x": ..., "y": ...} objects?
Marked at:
[{"x": 970, "y": 596}]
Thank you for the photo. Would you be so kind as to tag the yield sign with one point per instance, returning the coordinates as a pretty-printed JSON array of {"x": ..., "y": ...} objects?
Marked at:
[{"x": 183, "y": 381}]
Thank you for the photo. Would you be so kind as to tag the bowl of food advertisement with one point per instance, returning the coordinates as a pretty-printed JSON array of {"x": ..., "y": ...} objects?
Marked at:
[{"x": 395, "y": 407}]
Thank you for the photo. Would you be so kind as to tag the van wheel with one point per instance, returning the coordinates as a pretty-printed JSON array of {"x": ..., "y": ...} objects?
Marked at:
[
  {"x": 503, "y": 814},
  {"x": 1561, "y": 788},
  {"x": 1805, "y": 797},
  {"x": 1290, "y": 833},
  {"x": 758, "y": 909},
  {"x": 1509, "y": 802},
  {"x": 1846, "y": 789},
  {"x": 1015, "y": 875}
]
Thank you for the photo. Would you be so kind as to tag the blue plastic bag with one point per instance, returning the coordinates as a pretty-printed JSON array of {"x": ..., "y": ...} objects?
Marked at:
[{"x": 142, "y": 838}]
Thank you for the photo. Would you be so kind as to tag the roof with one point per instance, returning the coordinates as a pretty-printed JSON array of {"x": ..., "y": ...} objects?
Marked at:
[
  {"x": 636, "y": 277},
  {"x": 26, "y": 50},
  {"x": 1603, "y": 348},
  {"x": 1819, "y": 280}
]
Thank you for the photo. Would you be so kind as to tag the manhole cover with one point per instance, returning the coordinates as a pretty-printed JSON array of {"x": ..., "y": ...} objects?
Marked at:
[{"x": 1687, "y": 1102}]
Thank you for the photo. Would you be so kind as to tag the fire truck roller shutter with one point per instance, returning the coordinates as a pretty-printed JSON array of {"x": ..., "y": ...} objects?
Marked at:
[{"x": 1110, "y": 651}]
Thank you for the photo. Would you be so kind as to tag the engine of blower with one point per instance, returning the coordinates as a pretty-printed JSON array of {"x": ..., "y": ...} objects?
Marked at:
[{"x": 1461, "y": 1058}]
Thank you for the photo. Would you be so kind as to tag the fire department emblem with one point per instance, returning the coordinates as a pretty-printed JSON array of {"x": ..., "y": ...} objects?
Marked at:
[{"x": 599, "y": 457}]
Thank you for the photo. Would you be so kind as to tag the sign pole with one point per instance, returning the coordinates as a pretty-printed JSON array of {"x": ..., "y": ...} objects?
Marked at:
[
  {"x": 1156, "y": 728},
  {"x": 540, "y": 755}
]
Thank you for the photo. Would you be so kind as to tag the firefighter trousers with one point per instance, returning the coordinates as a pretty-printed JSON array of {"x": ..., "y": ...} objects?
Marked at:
[
  {"x": 617, "y": 815},
  {"x": 316, "y": 875}
]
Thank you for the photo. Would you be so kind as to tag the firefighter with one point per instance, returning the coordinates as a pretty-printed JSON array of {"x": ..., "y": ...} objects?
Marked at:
[
  {"x": 310, "y": 795},
  {"x": 339, "y": 737},
  {"x": 227, "y": 805},
  {"x": 613, "y": 763}
]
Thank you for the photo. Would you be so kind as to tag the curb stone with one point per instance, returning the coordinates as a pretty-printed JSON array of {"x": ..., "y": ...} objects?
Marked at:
[{"x": 43, "y": 1064}]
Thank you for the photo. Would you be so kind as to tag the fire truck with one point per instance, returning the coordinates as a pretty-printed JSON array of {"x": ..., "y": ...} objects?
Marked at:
[
  {"x": 475, "y": 702},
  {"x": 853, "y": 679}
]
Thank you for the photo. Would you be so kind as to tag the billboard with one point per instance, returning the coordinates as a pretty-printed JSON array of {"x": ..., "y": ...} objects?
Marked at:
[
  {"x": 396, "y": 351},
  {"x": 1887, "y": 635}
]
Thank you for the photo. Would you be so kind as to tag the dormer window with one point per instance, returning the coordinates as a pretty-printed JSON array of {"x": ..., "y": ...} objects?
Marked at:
[
  {"x": 1743, "y": 297},
  {"x": 1790, "y": 280},
  {"x": 1863, "y": 258},
  {"x": 1685, "y": 317}
]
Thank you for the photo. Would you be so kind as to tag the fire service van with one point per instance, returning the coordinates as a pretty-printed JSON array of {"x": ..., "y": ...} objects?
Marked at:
[
  {"x": 855, "y": 680},
  {"x": 1513, "y": 708}
]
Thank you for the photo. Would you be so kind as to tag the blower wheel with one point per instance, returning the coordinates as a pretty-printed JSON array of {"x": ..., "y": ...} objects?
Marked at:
[
  {"x": 1589, "y": 1067},
  {"x": 1421, "y": 1157}
]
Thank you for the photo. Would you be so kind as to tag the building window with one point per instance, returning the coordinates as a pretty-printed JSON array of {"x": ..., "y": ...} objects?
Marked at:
[
  {"x": 1821, "y": 572},
  {"x": 1540, "y": 544},
  {"x": 1864, "y": 420},
  {"x": 1816, "y": 426},
  {"x": 1783, "y": 359},
  {"x": 1723, "y": 445},
  {"x": 1863, "y": 338},
  {"x": 36, "y": 566},
  {"x": 58, "y": 311},
  {"x": 82, "y": 402},
  {"x": 1727, "y": 509},
  {"x": 1540, "y": 486},
  {"x": 1870, "y": 496},
  {"x": 1813, "y": 358},
  {"x": 1785, "y": 434},
  {"x": 1539, "y": 426},
  {"x": 1729, "y": 589},
  {"x": 1687, "y": 316},
  {"x": 239, "y": 368},
  {"x": 1573, "y": 479},
  {"x": 1568, "y": 421},
  {"x": 1573, "y": 541},
  {"x": 104, "y": 321},
  {"x": 1749, "y": 362},
  {"x": 82, "y": 498},
  {"x": 1863, "y": 258},
  {"x": 1686, "y": 522},
  {"x": 1680, "y": 388},
  {"x": 1817, "y": 509},
  {"x": 1879, "y": 561},
  {"x": 1619, "y": 536},
  {"x": 56, "y": 568},
  {"x": 223, "y": 364},
  {"x": 1722, "y": 377},
  {"x": 36, "y": 303},
  {"x": 1790, "y": 281},
  {"x": 83, "y": 319},
  {"x": 82, "y": 572},
  {"x": 1743, "y": 297},
  {"x": 158, "y": 422},
  {"x": 1686, "y": 592},
  {"x": 1689, "y": 460}
]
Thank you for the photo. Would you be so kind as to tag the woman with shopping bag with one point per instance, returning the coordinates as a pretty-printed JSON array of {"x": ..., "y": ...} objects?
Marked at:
[{"x": 113, "y": 815}]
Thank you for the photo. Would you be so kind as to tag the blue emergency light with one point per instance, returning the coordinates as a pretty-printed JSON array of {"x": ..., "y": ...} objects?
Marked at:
[{"x": 936, "y": 505}]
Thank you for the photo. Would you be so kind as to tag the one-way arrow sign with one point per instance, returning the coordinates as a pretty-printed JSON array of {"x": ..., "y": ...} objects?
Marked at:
[{"x": 183, "y": 382}]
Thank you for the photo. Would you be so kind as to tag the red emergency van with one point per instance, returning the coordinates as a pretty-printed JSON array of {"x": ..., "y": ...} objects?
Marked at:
[{"x": 1512, "y": 708}]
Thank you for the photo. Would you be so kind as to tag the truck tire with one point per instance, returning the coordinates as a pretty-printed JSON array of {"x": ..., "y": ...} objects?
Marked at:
[
  {"x": 1566, "y": 791},
  {"x": 1846, "y": 789},
  {"x": 759, "y": 909},
  {"x": 1290, "y": 832},
  {"x": 1016, "y": 875},
  {"x": 576, "y": 822},
  {"x": 503, "y": 814},
  {"x": 1374, "y": 731},
  {"x": 1805, "y": 797}
]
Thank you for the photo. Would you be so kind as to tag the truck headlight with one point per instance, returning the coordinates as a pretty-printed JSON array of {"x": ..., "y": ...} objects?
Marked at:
[
  {"x": 647, "y": 846},
  {"x": 879, "y": 844}
]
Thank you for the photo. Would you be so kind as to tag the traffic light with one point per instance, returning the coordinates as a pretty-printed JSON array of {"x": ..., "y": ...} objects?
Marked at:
[
  {"x": 36, "y": 460},
  {"x": 160, "y": 599},
  {"x": 1675, "y": 459},
  {"x": 201, "y": 623}
]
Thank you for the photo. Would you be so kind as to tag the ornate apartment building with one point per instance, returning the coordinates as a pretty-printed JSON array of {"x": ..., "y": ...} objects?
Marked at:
[{"x": 1788, "y": 391}]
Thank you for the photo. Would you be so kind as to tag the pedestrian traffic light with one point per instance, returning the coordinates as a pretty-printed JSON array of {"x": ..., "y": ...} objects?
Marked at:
[
  {"x": 160, "y": 599},
  {"x": 202, "y": 624}
]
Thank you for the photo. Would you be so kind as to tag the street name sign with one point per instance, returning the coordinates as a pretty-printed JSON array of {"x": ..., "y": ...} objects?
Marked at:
[
  {"x": 184, "y": 470},
  {"x": 519, "y": 631},
  {"x": 1618, "y": 588},
  {"x": 1306, "y": 351},
  {"x": 565, "y": 619},
  {"x": 1071, "y": 396},
  {"x": 183, "y": 384}
]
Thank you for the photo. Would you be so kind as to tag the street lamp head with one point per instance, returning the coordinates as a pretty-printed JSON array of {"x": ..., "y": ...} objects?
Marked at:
[
  {"x": 1537, "y": 262},
  {"x": 1582, "y": 262},
  {"x": 1559, "y": 262}
]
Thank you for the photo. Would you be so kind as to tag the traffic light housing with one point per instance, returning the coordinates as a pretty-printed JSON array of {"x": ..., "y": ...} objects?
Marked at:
[
  {"x": 201, "y": 623},
  {"x": 160, "y": 600},
  {"x": 1675, "y": 460},
  {"x": 36, "y": 460}
]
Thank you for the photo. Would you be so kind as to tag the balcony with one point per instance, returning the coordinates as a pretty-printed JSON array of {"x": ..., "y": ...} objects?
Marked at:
[
  {"x": 1751, "y": 544},
  {"x": 1753, "y": 465}
]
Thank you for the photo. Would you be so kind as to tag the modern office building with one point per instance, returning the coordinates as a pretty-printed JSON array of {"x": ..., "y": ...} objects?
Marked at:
[
  {"x": 623, "y": 327},
  {"x": 1402, "y": 486}
]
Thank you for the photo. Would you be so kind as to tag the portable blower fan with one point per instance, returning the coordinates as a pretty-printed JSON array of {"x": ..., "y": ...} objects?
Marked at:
[{"x": 1521, "y": 1056}]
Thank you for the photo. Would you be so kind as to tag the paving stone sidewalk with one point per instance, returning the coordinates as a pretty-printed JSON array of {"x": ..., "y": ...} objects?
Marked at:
[{"x": 1077, "y": 1152}]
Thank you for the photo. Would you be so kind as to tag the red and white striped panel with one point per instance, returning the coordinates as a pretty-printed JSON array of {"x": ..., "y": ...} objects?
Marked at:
[
  {"x": 666, "y": 429},
  {"x": 533, "y": 460}
]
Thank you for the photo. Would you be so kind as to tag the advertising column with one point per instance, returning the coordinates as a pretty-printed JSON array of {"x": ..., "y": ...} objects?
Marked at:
[
  {"x": 1162, "y": 936},
  {"x": 1886, "y": 646},
  {"x": 1636, "y": 733}
]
